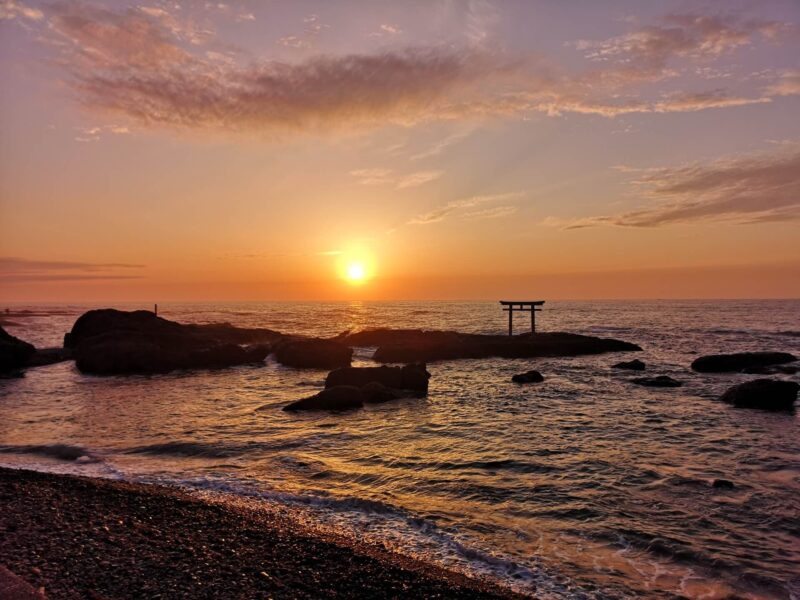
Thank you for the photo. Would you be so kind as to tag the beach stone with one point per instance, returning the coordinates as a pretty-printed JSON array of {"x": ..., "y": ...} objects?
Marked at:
[
  {"x": 726, "y": 363},
  {"x": 415, "y": 345},
  {"x": 14, "y": 353},
  {"x": 413, "y": 377},
  {"x": 113, "y": 342},
  {"x": 529, "y": 377},
  {"x": 766, "y": 394},
  {"x": 313, "y": 354},
  {"x": 659, "y": 381},
  {"x": 633, "y": 365},
  {"x": 341, "y": 397}
]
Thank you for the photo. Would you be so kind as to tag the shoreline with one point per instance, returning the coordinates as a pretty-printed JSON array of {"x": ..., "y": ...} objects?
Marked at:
[{"x": 82, "y": 537}]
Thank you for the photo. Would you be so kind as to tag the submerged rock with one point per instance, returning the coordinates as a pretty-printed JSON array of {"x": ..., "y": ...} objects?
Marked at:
[
  {"x": 413, "y": 377},
  {"x": 414, "y": 345},
  {"x": 341, "y": 397},
  {"x": 766, "y": 394},
  {"x": 723, "y": 484},
  {"x": 14, "y": 353},
  {"x": 725, "y": 363},
  {"x": 633, "y": 365},
  {"x": 529, "y": 377},
  {"x": 313, "y": 354},
  {"x": 109, "y": 342},
  {"x": 659, "y": 381}
]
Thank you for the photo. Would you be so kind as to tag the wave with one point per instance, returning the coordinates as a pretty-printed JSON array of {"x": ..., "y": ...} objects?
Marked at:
[
  {"x": 58, "y": 451},
  {"x": 210, "y": 450}
]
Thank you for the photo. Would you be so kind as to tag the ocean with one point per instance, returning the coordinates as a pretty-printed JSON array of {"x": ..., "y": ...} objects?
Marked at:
[{"x": 584, "y": 486}]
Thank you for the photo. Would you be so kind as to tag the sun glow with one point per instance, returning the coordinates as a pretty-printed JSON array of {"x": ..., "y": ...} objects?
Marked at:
[{"x": 356, "y": 272}]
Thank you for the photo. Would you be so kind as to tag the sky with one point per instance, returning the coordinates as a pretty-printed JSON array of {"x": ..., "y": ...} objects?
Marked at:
[{"x": 261, "y": 150}]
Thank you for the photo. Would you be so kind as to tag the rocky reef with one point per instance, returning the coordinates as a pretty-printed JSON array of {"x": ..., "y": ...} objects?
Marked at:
[
  {"x": 415, "y": 345},
  {"x": 740, "y": 361},
  {"x": 111, "y": 342}
]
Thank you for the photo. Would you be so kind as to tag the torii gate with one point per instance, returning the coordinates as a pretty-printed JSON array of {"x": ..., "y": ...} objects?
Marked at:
[{"x": 531, "y": 306}]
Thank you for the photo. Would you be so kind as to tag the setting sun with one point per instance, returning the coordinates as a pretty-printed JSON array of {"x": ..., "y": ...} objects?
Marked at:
[{"x": 356, "y": 272}]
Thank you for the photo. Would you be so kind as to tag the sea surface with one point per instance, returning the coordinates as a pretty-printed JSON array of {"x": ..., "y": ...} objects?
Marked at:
[{"x": 584, "y": 486}]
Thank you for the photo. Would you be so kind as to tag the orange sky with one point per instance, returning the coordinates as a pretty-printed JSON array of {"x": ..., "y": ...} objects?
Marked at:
[{"x": 245, "y": 151}]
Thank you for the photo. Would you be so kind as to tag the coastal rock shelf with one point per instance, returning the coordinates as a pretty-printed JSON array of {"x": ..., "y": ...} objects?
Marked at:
[
  {"x": 415, "y": 345},
  {"x": 110, "y": 342}
]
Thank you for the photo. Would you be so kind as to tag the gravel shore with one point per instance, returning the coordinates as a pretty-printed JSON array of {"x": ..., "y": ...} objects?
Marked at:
[{"x": 79, "y": 537}]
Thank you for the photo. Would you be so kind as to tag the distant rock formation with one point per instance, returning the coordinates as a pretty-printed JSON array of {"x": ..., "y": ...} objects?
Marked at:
[
  {"x": 659, "y": 381},
  {"x": 414, "y": 345},
  {"x": 109, "y": 342},
  {"x": 633, "y": 365},
  {"x": 313, "y": 354},
  {"x": 529, "y": 377},
  {"x": 14, "y": 353},
  {"x": 726, "y": 363},
  {"x": 766, "y": 394}
]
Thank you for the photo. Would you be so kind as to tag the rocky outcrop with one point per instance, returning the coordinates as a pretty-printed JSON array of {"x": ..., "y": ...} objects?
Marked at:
[
  {"x": 659, "y": 381},
  {"x": 14, "y": 353},
  {"x": 632, "y": 365},
  {"x": 110, "y": 342},
  {"x": 726, "y": 363},
  {"x": 529, "y": 377},
  {"x": 414, "y": 345},
  {"x": 412, "y": 377},
  {"x": 313, "y": 354},
  {"x": 773, "y": 370},
  {"x": 341, "y": 397},
  {"x": 766, "y": 394}
]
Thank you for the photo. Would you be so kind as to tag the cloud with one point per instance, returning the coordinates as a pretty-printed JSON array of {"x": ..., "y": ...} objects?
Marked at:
[
  {"x": 442, "y": 212},
  {"x": 491, "y": 213},
  {"x": 140, "y": 64},
  {"x": 646, "y": 52},
  {"x": 437, "y": 148},
  {"x": 388, "y": 177},
  {"x": 386, "y": 30},
  {"x": 15, "y": 269},
  {"x": 788, "y": 84},
  {"x": 755, "y": 188},
  {"x": 11, "y": 9},
  {"x": 418, "y": 178}
]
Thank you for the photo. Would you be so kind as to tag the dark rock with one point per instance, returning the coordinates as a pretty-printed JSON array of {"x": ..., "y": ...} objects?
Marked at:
[
  {"x": 108, "y": 341},
  {"x": 49, "y": 356},
  {"x": 766, "y": 394},
  {"x": 725, "y": 363},
  {"x": 414, "y": 345},
  {"x": 341, "y": 397},
  {"x": 313, "y": 354},
  {"x": 660, "y": 381},
  {"x": 723, "y": 484},
  {"x": 412, "y": 377},
  {"x": 14, "y": 353},
  {"x": 529, "y": 377},
  {"x": 633, "y": 365},
  {"x": 376, "y": 393}
]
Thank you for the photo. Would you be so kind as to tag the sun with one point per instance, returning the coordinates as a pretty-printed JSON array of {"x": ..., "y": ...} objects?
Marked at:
[{"x": 356, "y": 272}]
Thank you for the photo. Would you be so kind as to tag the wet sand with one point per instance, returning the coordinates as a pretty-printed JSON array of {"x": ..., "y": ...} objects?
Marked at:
[{"x": 79, "y": 537}]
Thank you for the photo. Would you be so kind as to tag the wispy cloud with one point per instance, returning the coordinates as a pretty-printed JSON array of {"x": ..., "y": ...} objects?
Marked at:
[
  {"x": 754, "y": 188},
  {"x": 398, "y": 181},
  {"x": 12, "y": 9},
  {"x": 15, "y": 269},
  {"x": 454, "y": 206}
]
